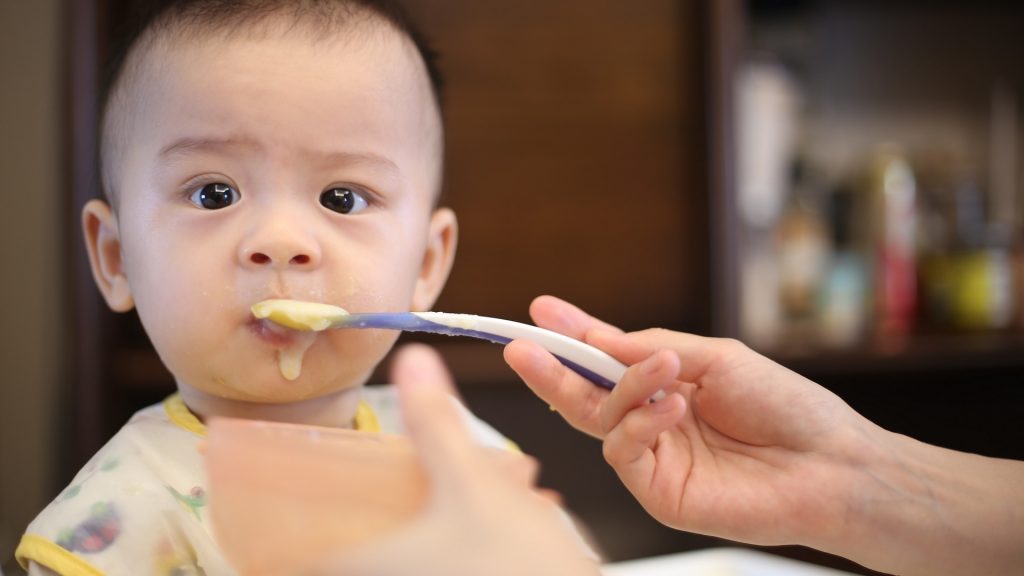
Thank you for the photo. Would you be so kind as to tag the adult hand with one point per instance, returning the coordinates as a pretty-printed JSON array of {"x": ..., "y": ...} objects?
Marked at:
[
  {"x": 483, "y": 516},
  {"x": 740, "y": 446},
  {"x": 746, "y": 449}
]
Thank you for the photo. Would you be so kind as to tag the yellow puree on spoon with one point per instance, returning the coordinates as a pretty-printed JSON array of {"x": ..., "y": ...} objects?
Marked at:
[{"x": 310, "y": 317}]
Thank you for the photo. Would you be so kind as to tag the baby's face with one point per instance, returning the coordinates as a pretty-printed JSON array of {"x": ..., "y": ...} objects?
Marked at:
[{"x": 277, "y": 168}]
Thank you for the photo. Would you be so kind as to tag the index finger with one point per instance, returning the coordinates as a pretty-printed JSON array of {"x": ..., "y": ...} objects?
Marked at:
[
  {"x": 565, "y": 318},
  {"x": 578, "y": 400},
  {"x": 697, "y": 354}
]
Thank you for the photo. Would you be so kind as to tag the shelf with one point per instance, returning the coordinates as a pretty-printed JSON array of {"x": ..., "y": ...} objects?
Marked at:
[
  {"x": 914, "y": 354},
  {"x": 823, "y": 94}
]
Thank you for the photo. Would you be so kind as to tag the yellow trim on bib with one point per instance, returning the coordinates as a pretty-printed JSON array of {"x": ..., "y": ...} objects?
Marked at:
[
  {"x": 365, "y": 419},
  {"x": 182, "y": 416},
  {"x": 45, "y": 553}
]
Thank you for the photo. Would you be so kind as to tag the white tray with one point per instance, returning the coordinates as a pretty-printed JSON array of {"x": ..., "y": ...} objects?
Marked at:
[{"x": 718, "y": 562}]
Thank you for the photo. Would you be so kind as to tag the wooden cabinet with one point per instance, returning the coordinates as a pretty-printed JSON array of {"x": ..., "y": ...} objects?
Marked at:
[
  {"x": 836, "y": 81},
  {"x": 818, "y": 104}
]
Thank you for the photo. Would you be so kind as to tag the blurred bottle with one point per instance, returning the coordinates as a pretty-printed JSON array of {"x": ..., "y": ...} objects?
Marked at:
[
  {"x": 983, "y": 286},
  {"x": 844, "y": 293},
  {"x": 803, "y": 248},
  {"x": 1004, "y": 182},
  {"x": 767, "y": 107},
  {"x": 891, "y": 196},
  {"x": 984, "y": 296},
  {"x": 937, "y": 233},
  {"x": 971, "y": 284}
]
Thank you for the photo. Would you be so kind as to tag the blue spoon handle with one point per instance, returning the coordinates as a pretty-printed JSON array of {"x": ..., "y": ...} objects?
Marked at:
[{"x": 585, "y": 360}]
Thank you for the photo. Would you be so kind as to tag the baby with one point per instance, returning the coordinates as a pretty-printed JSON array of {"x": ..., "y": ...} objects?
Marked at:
[{"x": 251, "y": 149}]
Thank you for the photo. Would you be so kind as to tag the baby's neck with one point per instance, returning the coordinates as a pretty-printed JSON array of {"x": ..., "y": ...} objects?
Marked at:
[{"x": 335, "y": 410}]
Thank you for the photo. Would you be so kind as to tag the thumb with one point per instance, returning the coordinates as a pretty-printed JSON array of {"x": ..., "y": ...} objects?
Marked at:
[{"x": 432, "y": 418}]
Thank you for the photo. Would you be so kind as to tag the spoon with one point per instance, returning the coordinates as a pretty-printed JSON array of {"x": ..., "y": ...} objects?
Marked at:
[{"x": 587, "y": 361}]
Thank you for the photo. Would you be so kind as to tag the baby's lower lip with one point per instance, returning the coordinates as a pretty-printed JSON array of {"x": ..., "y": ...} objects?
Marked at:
[{"x": 272, "y": 333}]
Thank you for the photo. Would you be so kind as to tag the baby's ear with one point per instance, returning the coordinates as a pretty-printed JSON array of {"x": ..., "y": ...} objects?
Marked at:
[
  {"x": 103, "y": 242},
  {"x": 442, "y": 237}
]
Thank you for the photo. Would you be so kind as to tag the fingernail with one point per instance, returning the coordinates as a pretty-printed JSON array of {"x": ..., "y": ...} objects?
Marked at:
[{"x": 663, "y": 405}]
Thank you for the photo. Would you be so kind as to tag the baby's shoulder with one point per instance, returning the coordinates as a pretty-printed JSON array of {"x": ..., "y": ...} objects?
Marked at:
[{"x": 139, "y": 498}]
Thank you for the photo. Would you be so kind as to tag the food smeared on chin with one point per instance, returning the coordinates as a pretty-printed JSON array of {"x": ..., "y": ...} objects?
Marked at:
[
  {"x": 289, "y": 360},
  {"x": 298, "y": 314},
  {"x": 307, "y": 318}
]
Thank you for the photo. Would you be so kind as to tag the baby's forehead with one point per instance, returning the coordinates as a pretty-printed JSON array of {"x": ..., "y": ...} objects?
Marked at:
[
  {"x": 165, "y": 43},
  {"x": 167, "y": 47}
]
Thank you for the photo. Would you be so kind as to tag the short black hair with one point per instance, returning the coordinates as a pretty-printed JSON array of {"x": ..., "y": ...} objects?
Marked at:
[
  {"x": 322, "y": 18},
  {"x": 143, "y": 14}
]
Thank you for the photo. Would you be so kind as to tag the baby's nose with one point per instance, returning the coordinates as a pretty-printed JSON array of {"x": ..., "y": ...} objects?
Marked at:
[
  {"x": 261, "y": 258},
  {"x": 280, "y": 247}
]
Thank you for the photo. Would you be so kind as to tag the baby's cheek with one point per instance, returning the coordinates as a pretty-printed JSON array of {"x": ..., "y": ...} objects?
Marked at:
[
  {"x": 363, "y": 296},
  {"x": 383, "y": 286},
  {"x": 361, "y": 346}
]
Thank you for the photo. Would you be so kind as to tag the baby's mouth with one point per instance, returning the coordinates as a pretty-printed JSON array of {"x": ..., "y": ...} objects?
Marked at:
[
  {"x": 291, "y": 326},
  {"x": 299, "y": 314},
  {"x": 291, "y": 345},
  {"x": 273, "y": 333}
]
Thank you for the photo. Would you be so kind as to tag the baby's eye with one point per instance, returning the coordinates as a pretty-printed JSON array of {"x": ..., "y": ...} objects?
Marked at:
[
  {"x": 214, "y": 196},
  {"x": 343, "y": 200}
]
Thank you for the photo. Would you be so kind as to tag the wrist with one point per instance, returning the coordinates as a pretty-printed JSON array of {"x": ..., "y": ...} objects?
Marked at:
[
  {"x": 891, "y": 503},
  {"x": 915, "y": 508},
  {"x": 870, "y": 488}
]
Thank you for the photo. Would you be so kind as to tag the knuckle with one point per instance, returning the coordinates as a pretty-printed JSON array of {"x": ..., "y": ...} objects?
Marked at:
[
  {"x": 733, "y": 345},
  {"x": 609, "y": 451},
  {"x": 657, "y": 333}
]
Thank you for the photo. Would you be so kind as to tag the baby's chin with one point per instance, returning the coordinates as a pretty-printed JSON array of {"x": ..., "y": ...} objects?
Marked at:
[
  {"x": 273, "y": 388},
  {"x": 333, "y": 364}
]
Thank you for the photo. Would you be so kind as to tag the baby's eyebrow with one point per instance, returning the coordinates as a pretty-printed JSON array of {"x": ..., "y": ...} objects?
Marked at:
[
  {"x": 338, "y": 158},
  {"x": 192, "y": 145}
]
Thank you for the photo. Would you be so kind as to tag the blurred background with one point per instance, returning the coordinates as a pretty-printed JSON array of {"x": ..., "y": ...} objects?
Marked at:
[{"x": 836, "y": 183}]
